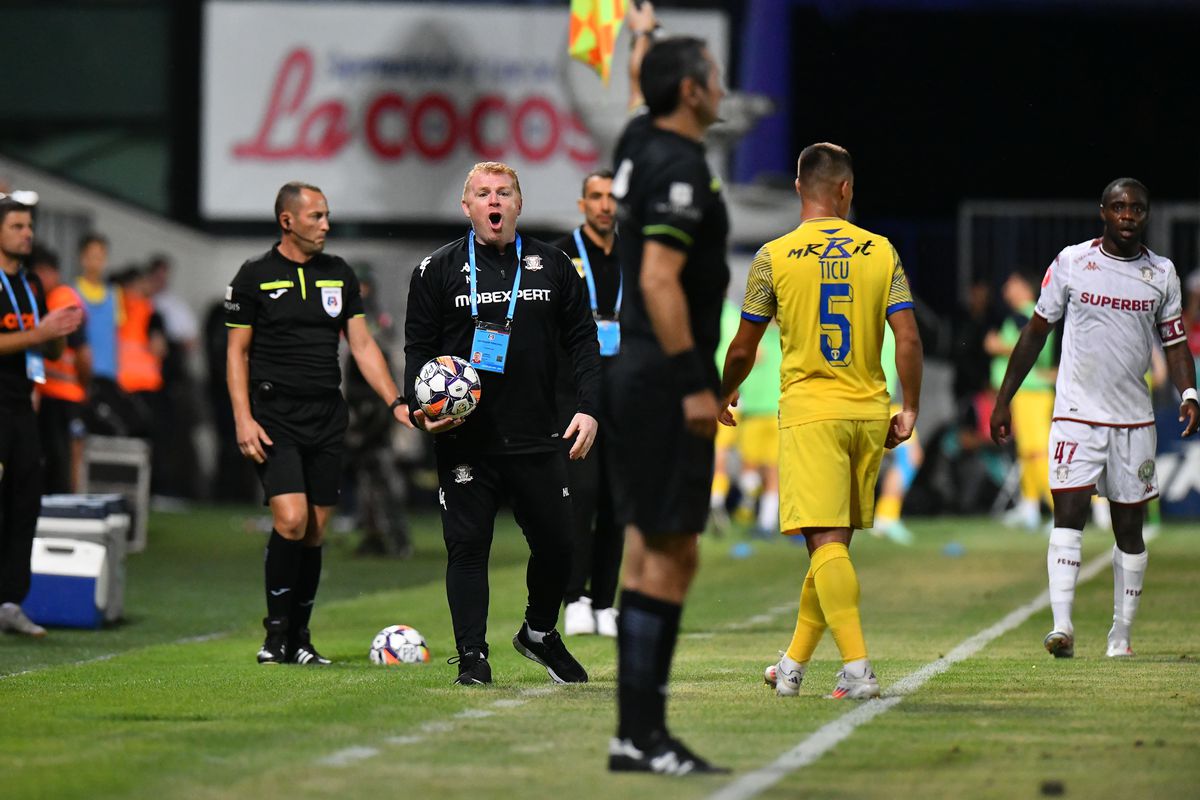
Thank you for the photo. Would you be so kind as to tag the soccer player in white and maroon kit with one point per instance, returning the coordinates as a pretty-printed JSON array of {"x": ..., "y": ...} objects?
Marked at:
[{"x": 1118, "y": 297}]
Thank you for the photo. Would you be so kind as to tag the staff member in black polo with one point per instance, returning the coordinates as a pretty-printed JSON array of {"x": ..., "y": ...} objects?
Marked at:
[
  {"x": 526, "y": 298},
  {"x": 286, "y": 311},
  {"x": 28, "y": 335},
  {"x": 598, "y": 538}
]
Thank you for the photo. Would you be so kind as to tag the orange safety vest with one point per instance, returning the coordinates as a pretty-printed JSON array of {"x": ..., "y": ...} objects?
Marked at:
[
  {"x": 62, "y": 376},
  {"x": 138, "y": 369}
]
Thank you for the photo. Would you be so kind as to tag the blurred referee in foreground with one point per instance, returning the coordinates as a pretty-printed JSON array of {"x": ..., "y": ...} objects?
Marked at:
[
  {"x": 286, "y": 311},
  {"x": 663, "y": 392}
]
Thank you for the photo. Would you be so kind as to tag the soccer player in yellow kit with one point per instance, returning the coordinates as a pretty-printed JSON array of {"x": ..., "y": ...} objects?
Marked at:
[{"x": 832, "y": 286}]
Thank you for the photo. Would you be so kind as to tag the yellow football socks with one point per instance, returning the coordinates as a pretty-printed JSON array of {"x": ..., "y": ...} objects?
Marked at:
[
  {"x": 888, "y": 507},
  {"x": 810, "y": 623},
  {"x": 837, "y": 590}
]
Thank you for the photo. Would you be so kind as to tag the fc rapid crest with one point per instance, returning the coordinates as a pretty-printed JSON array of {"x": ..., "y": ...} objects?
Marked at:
[
  {"x": 533, "y": 263},
  {"x": 331, "y": 300},
  {"x": 462, "y": 473}
]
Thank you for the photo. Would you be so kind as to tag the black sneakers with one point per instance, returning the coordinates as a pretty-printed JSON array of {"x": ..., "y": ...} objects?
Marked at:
[
  {"x": 663, "y": 756},
  {"x": 301, "y": 650},
  {"x": 274, "y": 648},
  {"x": 552, "y": 654},
  {"x": 473, "y": 668}
]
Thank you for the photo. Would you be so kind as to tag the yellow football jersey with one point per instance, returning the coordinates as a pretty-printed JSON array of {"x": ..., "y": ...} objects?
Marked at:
[{"x": 831, "y": 284}]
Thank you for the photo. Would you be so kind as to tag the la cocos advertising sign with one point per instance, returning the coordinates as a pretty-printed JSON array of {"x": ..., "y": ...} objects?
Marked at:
[{"x": 386, "y": 107}]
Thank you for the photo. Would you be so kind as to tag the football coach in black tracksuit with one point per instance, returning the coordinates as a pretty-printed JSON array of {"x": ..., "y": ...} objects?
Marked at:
[{"x": 511, "y": 300}]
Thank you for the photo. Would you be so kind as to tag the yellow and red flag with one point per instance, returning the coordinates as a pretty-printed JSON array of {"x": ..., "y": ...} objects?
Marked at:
[{"x": 594, "y": 28}]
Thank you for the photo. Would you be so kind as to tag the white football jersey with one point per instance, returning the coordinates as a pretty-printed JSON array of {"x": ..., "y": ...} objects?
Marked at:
[{"x": 1115, "y": 309}]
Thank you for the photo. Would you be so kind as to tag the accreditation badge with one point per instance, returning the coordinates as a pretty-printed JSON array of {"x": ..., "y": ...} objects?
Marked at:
[
  {"x": 331, "y": 300},
  {"x": 489, "y": 347},
  {"x": 35, "y": 367},
  {"x": 608, "y": 331}
]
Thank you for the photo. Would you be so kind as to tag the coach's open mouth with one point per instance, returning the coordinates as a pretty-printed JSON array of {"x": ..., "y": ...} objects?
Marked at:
[{"x": 495, "y": 218}]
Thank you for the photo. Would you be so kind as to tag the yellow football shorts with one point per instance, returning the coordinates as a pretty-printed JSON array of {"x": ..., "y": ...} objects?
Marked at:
[
  {"x": 827, "y": 473},
  {"x": 759, "y": 440}
]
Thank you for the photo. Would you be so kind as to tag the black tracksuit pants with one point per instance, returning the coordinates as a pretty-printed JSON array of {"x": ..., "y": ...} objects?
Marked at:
[
  {"x": 471, "y": 490},
  {"x": 20, "y": 499}
]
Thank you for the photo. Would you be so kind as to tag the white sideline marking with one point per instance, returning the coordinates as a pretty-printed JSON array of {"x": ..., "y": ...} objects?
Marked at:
[
  {"x": 758, "y": 619},
  {"x": 207, "y": 637},
  {"x": 351, "y": 755},
  {"x": 348, "y": 756},
  {"x": 404, "y": 739},
  {"x": 825, "y": 738}
]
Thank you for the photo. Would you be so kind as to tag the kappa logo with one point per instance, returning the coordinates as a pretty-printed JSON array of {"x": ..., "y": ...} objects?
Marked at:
[
  {"x": 278, "y": 293},
  {"x": 533, "y": 263},
  {"x": 462, "y": 473},
  {"x": 442, "y": 499},
  {"x": 1091, "y": 266},
  {"x": 424, "y": 263},
  {"x": 566, "y": 492}
]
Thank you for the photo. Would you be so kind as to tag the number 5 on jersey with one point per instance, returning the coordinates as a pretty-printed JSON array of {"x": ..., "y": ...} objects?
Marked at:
[{"x": 835, "y": 325}]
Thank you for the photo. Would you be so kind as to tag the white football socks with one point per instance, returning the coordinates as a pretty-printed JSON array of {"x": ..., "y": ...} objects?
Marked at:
[
  {"x": 1129, "y": 573},
  {"x": 1063, "y": 558},
  {"x": 768, "y": 512}
]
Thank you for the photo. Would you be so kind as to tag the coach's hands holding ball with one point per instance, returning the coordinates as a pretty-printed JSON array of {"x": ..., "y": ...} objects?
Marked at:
[
  {"x": 583, "y": 427},
  {"x": 435, "y": 426}
]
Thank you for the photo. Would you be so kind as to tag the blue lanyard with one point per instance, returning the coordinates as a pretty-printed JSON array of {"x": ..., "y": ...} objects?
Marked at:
[
  {"x": 587, "y": 274},
  {"x": 12, "y": 297},
  {"x": 512, "y": 303}
]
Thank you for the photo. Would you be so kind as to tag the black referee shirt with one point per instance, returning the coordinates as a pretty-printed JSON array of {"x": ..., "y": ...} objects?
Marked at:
[
  {"x": 606, "y": 274},
  {"x": 15, "y": 386},
  {"x": 666, "y": 194},
  {"x": 297, "y": 311},
  {"x": 516, "y": 412}
]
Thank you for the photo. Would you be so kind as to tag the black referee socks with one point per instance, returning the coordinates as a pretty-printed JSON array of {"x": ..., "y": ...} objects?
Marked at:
[
  {"x": 307, "y": 581},
  {"x": 282, "y": 568},
  {"x": 647, "y": 630}
]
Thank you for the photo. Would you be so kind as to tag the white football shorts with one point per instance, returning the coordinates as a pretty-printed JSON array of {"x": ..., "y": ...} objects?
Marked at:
[{"x": 1117, "y": 463}]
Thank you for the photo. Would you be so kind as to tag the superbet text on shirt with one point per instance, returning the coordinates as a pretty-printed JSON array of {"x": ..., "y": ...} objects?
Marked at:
[{"x": 1115, "y": 308}]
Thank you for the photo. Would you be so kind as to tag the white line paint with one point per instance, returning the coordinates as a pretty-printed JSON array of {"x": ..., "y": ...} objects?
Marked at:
[
  {"x": 401, "y": 740},
  {"x": 348, "y": 756},
  {"x": 207, "y": 637},
  {"x": 758, "y": 619},
  {"x": 829, "y": 735}
]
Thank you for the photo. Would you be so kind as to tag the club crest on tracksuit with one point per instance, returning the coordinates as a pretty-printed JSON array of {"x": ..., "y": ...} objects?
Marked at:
[{"x": 462, "y": 473}]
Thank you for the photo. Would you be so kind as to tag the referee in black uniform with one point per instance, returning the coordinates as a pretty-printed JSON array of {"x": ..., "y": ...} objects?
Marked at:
[
  {"x": 595, "y": 568},
  {"x": 28, "y": 335},
  {"x": 674, "y": 228},
  {"x": 512, "y": 300},
  {"x": 286, "y": 311}
]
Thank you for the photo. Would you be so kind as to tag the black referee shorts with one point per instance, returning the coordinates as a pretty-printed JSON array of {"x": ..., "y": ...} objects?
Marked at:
[
  {"x": 309, "y": 443},
  {"x": 661, "y": 474}
]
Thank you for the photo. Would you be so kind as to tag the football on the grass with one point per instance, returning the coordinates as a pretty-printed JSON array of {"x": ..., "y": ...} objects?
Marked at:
[
  {"x": 399, "y": 644},
  {"x": 447, "y": 386}
]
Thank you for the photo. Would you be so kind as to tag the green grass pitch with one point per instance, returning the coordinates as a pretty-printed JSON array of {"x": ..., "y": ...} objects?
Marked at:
[{"x": 172, "y": 703}]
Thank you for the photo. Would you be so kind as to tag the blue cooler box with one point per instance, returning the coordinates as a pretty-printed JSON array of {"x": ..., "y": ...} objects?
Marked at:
[
  {"x": 70, "y": 583},
  {"x": 101, "y": 519}
]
